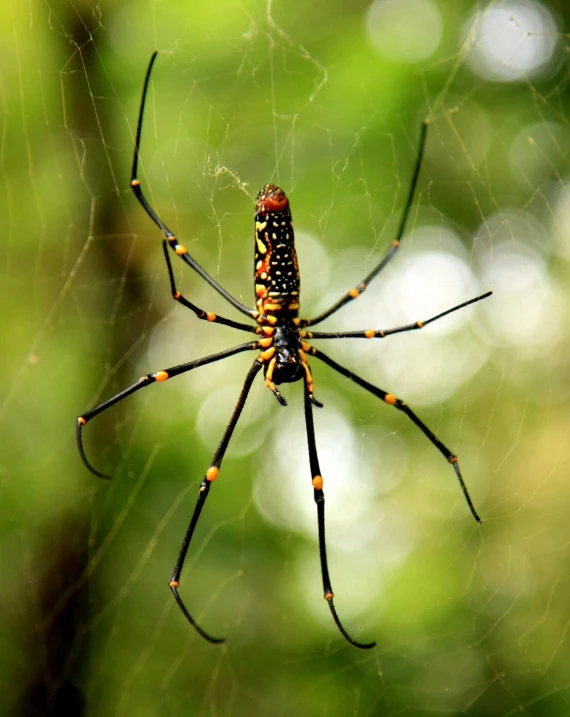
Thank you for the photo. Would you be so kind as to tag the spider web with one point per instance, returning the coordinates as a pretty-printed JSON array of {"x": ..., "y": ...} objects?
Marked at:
[{"x": 325, "y": 99}]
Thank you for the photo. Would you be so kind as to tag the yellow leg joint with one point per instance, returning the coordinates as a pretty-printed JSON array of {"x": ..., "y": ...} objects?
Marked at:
[
  {"x": 212, "y": 473},
  {"x": 318, "y": 482}
]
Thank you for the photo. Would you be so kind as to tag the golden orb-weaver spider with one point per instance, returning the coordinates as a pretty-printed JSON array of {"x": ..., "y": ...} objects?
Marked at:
[{"x": 283, "y": 345}]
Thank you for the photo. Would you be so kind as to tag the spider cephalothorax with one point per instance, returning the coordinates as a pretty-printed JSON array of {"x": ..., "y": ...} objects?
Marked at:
[
  {"x": 281, "y": 339},
  {"x": 288, "y": 352}
]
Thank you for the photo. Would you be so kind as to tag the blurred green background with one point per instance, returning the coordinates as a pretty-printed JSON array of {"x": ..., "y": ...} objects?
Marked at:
[{"x": 326, "y": 99}]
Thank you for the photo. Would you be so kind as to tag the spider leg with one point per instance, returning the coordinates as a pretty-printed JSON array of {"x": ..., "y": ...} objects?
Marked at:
[
  {"x": 210, "y": 477},
  {"x": 355, "y": 293},
  {"x": 310, "y": 386},
  {"x": 269, "y": 375},
  {"x": 200, "y": 313},
  {"x": 317, "y": 481},
  {"x": 391, "y": 400},
  {"x": 178, "y": 248},
  {"x": 380, "y": 334},
  {"x": 147, "y": 380}
]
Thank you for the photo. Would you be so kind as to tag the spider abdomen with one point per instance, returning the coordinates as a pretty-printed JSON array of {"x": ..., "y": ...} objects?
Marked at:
[{"x": 276, "y": 270}]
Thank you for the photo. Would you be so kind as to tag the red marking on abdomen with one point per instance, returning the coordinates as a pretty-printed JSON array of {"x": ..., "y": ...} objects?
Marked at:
[
  {"x": 276, "y": 202},
  {"x": 271, "y": 198}
]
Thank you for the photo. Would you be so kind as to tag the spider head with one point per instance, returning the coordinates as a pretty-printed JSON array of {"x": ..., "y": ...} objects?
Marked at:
[{"x": 271, "y": 198}]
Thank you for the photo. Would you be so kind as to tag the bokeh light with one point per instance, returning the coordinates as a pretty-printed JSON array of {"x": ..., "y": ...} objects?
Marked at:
[
  {"x": 511, "y": 41},
  {"x": 404, "y": 31},
  {"x": 511, "y": 250},
  {"x": 531, "y": 313}
]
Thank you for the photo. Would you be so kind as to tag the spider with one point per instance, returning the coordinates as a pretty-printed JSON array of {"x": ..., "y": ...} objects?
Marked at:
[{"x": 282, "y": 340}]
